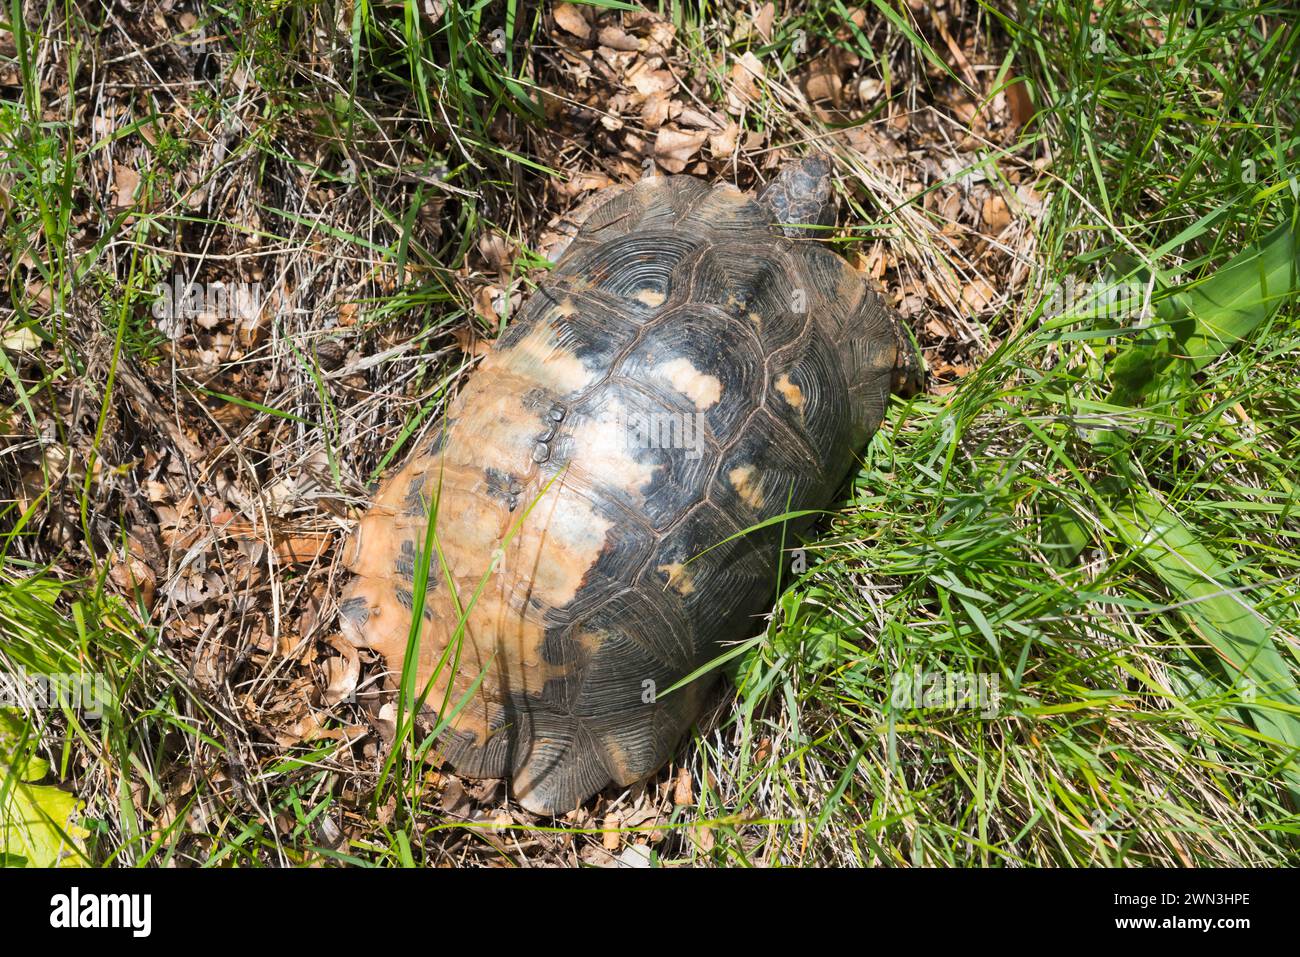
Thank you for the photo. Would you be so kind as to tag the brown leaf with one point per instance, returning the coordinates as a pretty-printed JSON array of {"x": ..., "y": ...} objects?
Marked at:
[
  {"x": 134, "y": 577},
  {"x": 485, "y": 304},
  {"x": 494, "y": 248},
  {"x": 570, "y": 18},
  {"x": 454, "y": 800},
  {"x": 616, "y": 39},
  {"x": 292, "y": 547},
  {"x": 342, "y": 674},
  {"x": 995, "y": 214},
  {"x": 646, "y": 79},
  {"x": 765, "y": 20},
  {"x": 742, "y": 82},
  {"x": 978, "y": 295},
  {"x": 300, "y": 549},
  {"x": 611, "y": 839},
  {"x": 662, "y": 34},
  {"x": 683, "y": 790},
  {"x": 470, "y": 342},
  {"x": 703, "y": 837},
  {"x": 690, "y": 116},
  {"x": 1022, "y": 109},
  {"x": 675, "y": 148},
  {"x": 823, "y": 83},
  {"x": 723, "y": 145},
  {"x": 125, "y": 182},
  {"x": 655, "y": 112}
]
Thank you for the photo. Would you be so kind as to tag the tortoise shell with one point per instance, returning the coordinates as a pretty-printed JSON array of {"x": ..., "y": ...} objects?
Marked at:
[{"x": 687, "y": 371}]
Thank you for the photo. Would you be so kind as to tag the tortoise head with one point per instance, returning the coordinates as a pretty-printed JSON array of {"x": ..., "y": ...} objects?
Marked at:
[{"x": 800, "y": 196}]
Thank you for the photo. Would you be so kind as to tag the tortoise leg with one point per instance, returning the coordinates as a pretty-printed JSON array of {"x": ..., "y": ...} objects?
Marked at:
[{"x": 801, "y": 196}]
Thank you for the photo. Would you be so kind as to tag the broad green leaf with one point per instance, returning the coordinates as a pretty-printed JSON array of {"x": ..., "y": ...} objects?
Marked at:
[
  {"x": 1220, "y": 613},
  {"x": 1238, "y": 298},
  {"x": 1207, "y": 319},
  {"x": 1194, "y": 328},
  {"x": 38, "y": 822}
]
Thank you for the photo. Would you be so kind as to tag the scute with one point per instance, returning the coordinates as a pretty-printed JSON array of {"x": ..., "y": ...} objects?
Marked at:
[
  {"x": 706, "y": 360},
  {"x": 685, "y": 373},
  {"x": 633, "y": 444},
  {"x": 639, "y": 268}
]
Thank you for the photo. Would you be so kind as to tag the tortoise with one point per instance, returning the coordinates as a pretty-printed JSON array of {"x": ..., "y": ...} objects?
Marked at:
[{"x": 690, "y": 368}]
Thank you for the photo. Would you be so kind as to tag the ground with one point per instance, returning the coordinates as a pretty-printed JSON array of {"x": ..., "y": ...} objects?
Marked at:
[{"x": 1052, "y": 622}]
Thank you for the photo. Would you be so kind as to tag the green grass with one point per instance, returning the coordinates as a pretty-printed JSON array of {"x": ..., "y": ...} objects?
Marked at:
[{"x": 1097, "y": 527}]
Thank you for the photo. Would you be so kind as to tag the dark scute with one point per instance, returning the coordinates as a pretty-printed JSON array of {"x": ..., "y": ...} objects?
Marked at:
[
  {"x": 783, "y": 465},
  {"x": 356, "y": 611},
  {"x": 730, "y": 575},
  {"x": 639, "y": 741},
  {"x": 502, "y": 486},
  {"x": 563, "y": 763},
  {"x": 657, "y": 203},
  {"x": 634, "y": 264},
  {"x": 496, "y": 757},
  {"x": 855, "y": 318},
  {"x": 755, "y": 279},
  {"x": 621, "y": 674},
  {"x": 728, "y": 213},
  {"x": 640, "y": 619},
  {"x": 405, "y": 564},
  {"x": 819, "y": 411},
  {"x": 438, "y": 436},
  {"x": 715, "y": 345},
  {"x": 836, "y": 291}
]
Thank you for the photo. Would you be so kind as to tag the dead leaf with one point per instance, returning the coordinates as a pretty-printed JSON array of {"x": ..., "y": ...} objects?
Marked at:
[
  {"x": 454, "y": 800},
  {"x": 22, "y": 339},
  {"x": 723, "y": 145},
  {"x": 570, "y": 18},
  {"x": 616, "y": 39},
  {"x": 823, "y": 83},
  {"x": 995, "y": 214},
  {"x": 647, "y": 79},
  {"x": 125, "y": 182},
  {"x": 495, "y": 250},
  {"x": 662, "y": 33},
  {"x": 611, "y": 839},
  {"x": 742, "y": 82},
  {"x": 698, "y": 119},
  {"x": 343, "y": 673},
  {"x": 703, "y": 837},
  {"x": 655, "y": 111},
  {"x": 683, "y": 790},
  {"x": 1021, "y": 107},
  {"x": 470, "y": 342},
  {"x": 134, "y": 577},
  {"x": 675, "y": 148},
  {"x": 978, "y": 295}
]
